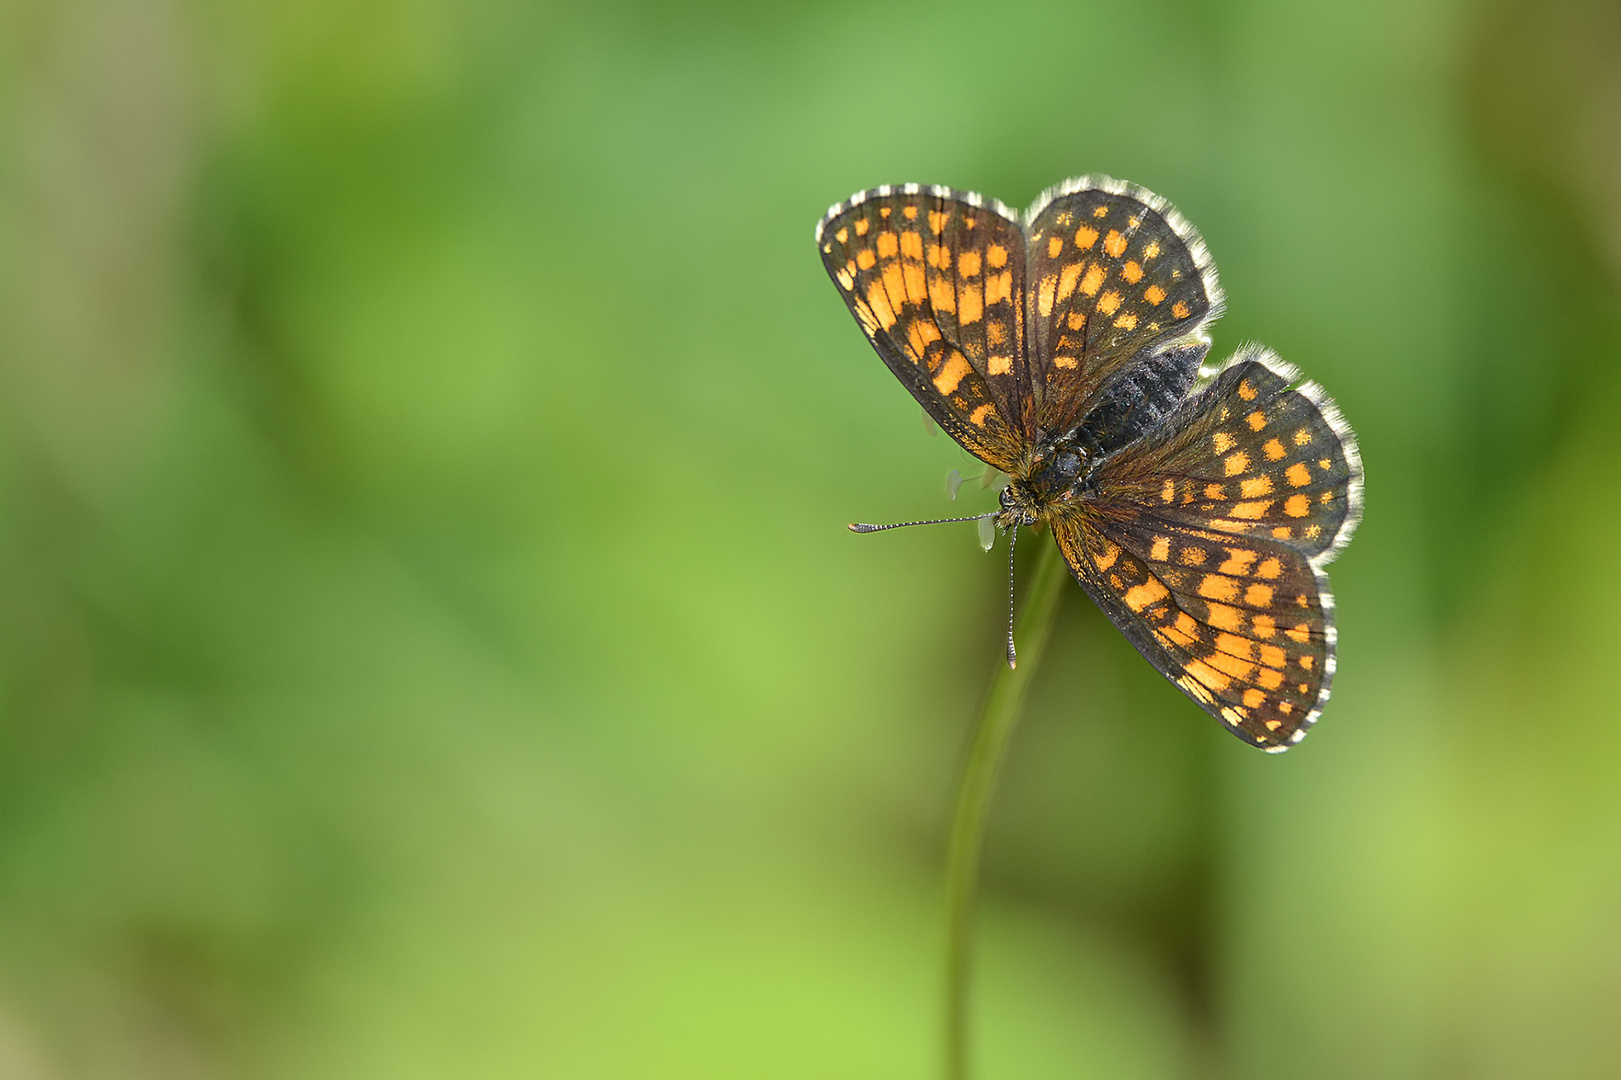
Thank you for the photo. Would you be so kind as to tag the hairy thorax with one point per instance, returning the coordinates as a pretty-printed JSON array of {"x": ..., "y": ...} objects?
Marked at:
[{"x": 1053, "y": 483}]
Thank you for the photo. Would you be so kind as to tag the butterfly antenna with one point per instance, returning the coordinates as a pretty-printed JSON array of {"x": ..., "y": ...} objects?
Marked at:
[
  {"x": 1013, "y": 540},
  {"x": 858, "y": 527}
]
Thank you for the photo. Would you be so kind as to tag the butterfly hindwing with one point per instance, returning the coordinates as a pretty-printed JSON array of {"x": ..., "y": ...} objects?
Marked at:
[
  {"x": 1115, "y": 275},
  {"x": 935, "y": 277},
  {"x": 1243, "y": 627}
]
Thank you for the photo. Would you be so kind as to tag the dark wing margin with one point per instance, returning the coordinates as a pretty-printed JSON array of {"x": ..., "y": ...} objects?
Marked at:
[
  {"x": 1116, "y": 276},
  {"x": 1243, "y": 627},
  {"x": 935, "y": 278}
]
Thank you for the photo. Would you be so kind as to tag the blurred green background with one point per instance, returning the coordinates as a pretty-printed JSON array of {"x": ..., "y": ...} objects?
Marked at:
[{"x": 430, "y": 646}]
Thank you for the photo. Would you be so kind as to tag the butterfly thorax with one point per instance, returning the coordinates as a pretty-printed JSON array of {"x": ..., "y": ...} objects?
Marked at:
[{"x": 1056, "y": 473}]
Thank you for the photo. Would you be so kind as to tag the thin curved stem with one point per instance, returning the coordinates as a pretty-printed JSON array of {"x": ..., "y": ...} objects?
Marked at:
[{"x": 974, "y": 788}]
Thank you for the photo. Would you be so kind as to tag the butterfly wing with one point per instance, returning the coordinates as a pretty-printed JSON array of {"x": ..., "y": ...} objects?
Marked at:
[
  {"x": 1256, "y": 453},
  {"x": 1117, "y": 279},
  {"x": 935, "y": 278},
  {"x": 1224, "y": 592}
]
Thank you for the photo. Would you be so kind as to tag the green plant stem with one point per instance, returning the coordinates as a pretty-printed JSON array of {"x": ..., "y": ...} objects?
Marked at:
[{"x": 974, "y": 789}]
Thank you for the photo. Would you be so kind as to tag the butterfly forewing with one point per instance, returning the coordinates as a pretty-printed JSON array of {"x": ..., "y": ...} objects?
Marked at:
[
  {"x": 935, "y": 277},
  {"x": 1115, "y": 275},
  {"x": 1249, "y": 455}
]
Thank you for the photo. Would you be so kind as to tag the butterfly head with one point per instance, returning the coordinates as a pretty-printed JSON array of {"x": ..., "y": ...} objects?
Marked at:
[{"x": 1020, "y": 505}]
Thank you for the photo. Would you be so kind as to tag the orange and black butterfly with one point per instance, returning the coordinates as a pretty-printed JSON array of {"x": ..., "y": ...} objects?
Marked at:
[{"x": 1196, "y": 508}]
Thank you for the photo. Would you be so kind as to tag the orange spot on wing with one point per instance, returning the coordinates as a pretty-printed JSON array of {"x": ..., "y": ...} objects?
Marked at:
[
  {"x": 862, "y": 225},
  {"x": 917, "y": 289},
  {"x": 1218, "y": 587},
  {"x": 1258, "y": 596},
  {"x": 956, "y": 366},
  {"x": 977, "y": 417},
  {"x": 1180, "y": 310},
  {"x": 968, "y": 263},
  {"x": 1256, "y": 420},
  {"x": 1297, "y": 506},
  {"x": 888, "y": 245},
  {"x": 1161, "y": 549},
  {"x": 1238, "y": 561},
  {"x": 1273, "y": 450},
  {"x": 921, "y": 334},
  {"x": 1109, "y": 302},
  {"x": 1227, "y": 664},
  {"x": 1054, "y": 246},
  {"x": 1044, "y": 294},
  {"x": 878, "y": 302},
  {"x": 1000, "y": 365},
  {"x": 911, "y": 243},
  {"x": 866, "y": 259},
  {"x": 1255, "y": 486},
  {"x": 1114, "y": 244},
  {"x": 1149, "y": 592},
  {"x": 1246, "y": 391},
  {"x": 1092, "y": 280},
  {"x": 1269, "y": 568},
  {"x": 1067, "y": 279},
  {"x": 1126, "y": 322},
  {"x": 1085, "y": 237},
  {"x": 1298, "y": 475},
  {"x": 999, "y": 288},
  {"x": 1251, "y": 511},
  {"x": 996, "y": 255},
  {"x": 972, "y": 306},
  {"x": 1208, "y": 675},
  {"x": 937, "y": 220},
  {"x": 1154, "y": 294},
  {"x": 910, "y": 212},
  {"x": 942, "y": 297},
  {"x": 1236, "y": 463},
  {"x": 1132, "y": 272}
]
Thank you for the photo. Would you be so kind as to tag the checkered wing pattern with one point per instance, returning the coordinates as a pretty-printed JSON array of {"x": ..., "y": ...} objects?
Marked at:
[
  {"x": 935, "y": 277},
  {"x": 1204, "y": 542},
  {"x": 1116, "y": 276},
  {"x": 1253, "y": 455},
  {"x": 1243, "y": 627}
]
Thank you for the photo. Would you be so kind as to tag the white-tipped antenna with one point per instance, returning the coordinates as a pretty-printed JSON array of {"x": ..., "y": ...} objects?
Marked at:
[
  {"x": 858, "y": 527},
  {"x": 1013, "y": 540}
]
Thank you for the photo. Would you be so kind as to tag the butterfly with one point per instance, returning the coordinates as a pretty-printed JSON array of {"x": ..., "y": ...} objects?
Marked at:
[{"x": 1064, "y": 347}]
